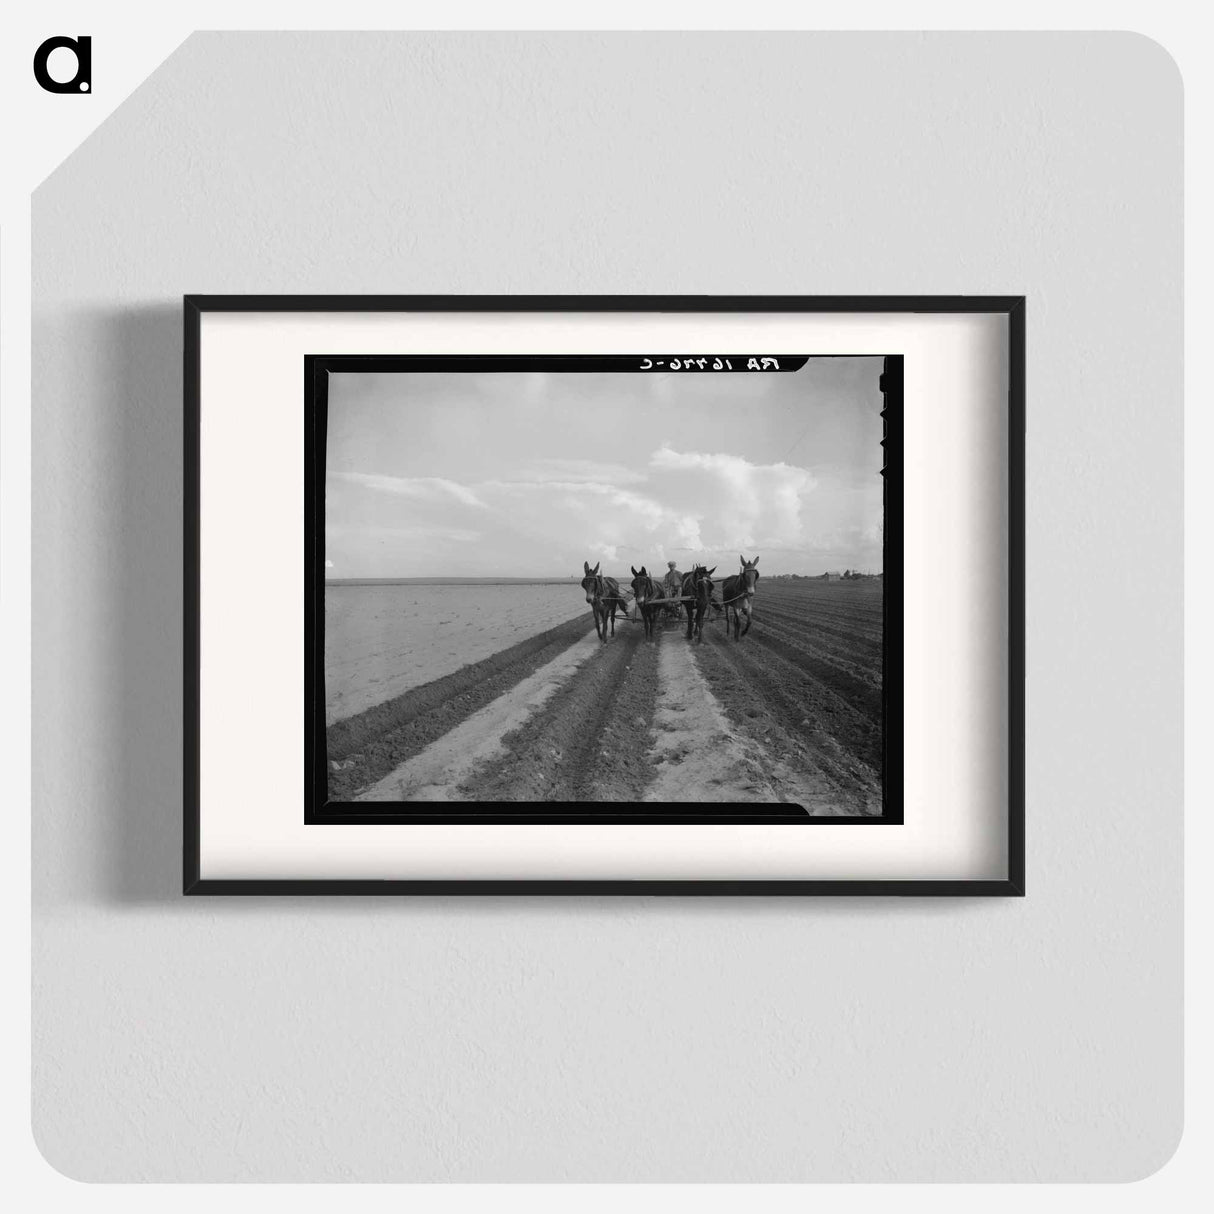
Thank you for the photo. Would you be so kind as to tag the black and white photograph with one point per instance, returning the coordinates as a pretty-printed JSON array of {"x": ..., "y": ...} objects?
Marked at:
[{"x": 631, "y": 581}]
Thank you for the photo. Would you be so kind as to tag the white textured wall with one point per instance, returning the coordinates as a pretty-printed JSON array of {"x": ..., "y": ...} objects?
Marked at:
[{"x": 618, "y": 1039}]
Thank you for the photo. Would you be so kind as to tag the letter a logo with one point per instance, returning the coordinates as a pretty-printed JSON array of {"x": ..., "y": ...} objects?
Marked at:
[{"x": 82, "y": 81}]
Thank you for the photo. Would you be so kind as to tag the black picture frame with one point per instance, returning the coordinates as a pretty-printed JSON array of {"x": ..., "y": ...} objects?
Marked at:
[{"x": 317, "y": 812}]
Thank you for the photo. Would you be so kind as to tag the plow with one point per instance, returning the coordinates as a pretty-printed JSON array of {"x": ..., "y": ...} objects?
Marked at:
[{"x": 633, "y": 615}]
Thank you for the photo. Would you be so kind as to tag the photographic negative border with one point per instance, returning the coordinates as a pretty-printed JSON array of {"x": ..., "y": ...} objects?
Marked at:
[
  {"x": 319, "y": 810},
  {"x": 1012, "y": 307}
]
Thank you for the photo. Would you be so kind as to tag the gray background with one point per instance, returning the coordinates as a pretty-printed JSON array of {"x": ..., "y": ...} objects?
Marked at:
[{"x": 633, "y": 1039}]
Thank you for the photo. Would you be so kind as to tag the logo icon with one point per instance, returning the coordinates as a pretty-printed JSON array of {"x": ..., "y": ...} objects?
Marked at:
[{"x": 82, "y": 81}]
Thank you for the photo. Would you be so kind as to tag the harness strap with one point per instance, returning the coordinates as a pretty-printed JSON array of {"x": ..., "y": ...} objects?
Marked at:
[
  {"x": 600, "y": 592},
  {"x": 735, "y": 597}
]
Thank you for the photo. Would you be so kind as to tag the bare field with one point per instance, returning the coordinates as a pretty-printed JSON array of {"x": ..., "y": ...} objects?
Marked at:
[
  {"x": 806, "y": 681},
  {"x": 384, "y": 640},
  {"x": 790, "y": 713}
]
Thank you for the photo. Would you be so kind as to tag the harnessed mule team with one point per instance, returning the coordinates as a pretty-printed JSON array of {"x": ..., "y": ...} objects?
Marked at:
[{"x": 675, "y": 591}]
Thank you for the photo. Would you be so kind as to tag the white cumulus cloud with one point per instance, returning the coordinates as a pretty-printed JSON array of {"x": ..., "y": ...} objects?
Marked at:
[
  {"x": 426, "y": 488},
  {"x": 735, "y": 503}
]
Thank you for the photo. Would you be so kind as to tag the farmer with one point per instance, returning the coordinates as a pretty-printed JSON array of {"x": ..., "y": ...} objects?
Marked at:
[{"x": 673, "y": 583}]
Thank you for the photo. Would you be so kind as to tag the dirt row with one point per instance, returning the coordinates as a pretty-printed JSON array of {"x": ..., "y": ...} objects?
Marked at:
[
  {"x": 771, "y": 695},
  {"x": 591, "y": 741},
  {"x": 364, "y": 748},
  {"x": 810, "y": 733},
  {"x": 856, "y": 683},
  {"x": 792, "y": 713},
  {"x": 808, "y": 678}
]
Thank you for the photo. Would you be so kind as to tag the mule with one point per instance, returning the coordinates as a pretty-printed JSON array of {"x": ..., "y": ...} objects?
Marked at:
[
  {"x": 738, "y": 593},
  {"x": 698, "y": 586},
  {"x": 649, "y": 596},
  {"x": 603, "y": 595}
]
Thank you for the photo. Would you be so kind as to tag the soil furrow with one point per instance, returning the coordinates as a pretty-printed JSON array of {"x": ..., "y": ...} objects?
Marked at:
[
  {"x": 434, "y": 775},
  {"x": 862, "y": 692},
  {"x": 365, "y": 748},
  {"x": 790, "y": 713},
  {"x": 811, "y": 634},
  {"x": 590, "y": 741},
  {"x": 841, "y": 637},
  {"x": 801, "y": 720}
]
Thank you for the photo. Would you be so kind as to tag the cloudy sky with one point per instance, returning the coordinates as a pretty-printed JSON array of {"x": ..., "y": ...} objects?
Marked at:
[{"x": 530, "y": 473}]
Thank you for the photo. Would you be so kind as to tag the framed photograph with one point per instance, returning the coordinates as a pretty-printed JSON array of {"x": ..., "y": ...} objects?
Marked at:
[{"x": 604, "y": 595}]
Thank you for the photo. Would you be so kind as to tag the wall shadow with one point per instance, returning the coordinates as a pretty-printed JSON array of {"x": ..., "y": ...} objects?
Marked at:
[
  {"x": 139, "y": 435},
  {"x": 141, "y": 399}
]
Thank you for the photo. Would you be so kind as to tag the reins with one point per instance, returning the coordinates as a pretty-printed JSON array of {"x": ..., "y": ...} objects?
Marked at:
[
  {"x": 600, "y": 591},
  {"x": 735, "y": 598}
]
